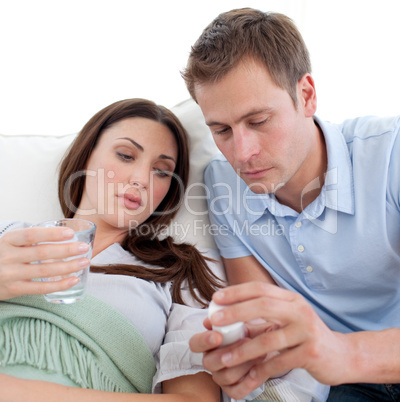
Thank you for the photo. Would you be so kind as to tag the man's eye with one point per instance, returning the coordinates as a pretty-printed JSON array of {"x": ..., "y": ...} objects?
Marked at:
[
  {"x": 259, "y": 123},
  {"x": 222, "y": 131}
]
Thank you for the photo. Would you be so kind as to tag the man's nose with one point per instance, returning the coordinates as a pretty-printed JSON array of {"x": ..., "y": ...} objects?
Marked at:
[{"x": 246, "y": 145}]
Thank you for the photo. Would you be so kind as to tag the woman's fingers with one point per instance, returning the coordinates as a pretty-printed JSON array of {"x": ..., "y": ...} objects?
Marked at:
[
  {"x": 35, "y": 244},
  {"x": 53, "y": 251},
  {"x": 23, "y": 272},
  {"x": 54, "y": 269},
  {"x": 34, "y": 235},
  {"x": 20, "y": 254},
  {"x": 21, "y": 288}
]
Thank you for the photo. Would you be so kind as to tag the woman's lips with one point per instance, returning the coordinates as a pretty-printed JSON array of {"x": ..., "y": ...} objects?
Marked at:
[{"x": 130, "y": 201}]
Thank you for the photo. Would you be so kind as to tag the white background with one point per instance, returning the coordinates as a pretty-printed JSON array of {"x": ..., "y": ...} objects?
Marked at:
[{"x": 62, "y": 61}]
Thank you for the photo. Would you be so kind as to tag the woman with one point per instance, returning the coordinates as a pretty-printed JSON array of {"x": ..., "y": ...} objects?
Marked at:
[{"x": 126, "y": 172}]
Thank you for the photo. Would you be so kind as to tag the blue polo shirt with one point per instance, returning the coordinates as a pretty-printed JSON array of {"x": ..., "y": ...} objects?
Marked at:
[{"x": 342, "y": 253}]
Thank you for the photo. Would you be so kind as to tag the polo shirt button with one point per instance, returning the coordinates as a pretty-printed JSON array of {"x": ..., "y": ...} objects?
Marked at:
[
  {"x": 298, "y": 224},
  {"x": 309, "y": 269},
  {"x": 300, "y": 248}
]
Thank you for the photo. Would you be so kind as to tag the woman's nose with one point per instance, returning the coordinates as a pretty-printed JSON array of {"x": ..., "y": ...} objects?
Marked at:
[
  {"x": 140, "y": 178},
  {"x": 137, "y": 184}
]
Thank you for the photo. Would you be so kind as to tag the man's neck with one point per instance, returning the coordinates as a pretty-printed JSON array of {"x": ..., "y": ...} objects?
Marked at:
[{"x": 306, "y": 184}]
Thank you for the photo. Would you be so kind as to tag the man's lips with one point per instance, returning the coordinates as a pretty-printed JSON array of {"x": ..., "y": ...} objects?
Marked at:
[
  {"x": 254, "y": 173},
  {"x": 130, "y": 201}
]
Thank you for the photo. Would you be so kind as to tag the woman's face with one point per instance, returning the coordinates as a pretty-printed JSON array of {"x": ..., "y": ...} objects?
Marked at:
[{"x": 128, "y": 174}]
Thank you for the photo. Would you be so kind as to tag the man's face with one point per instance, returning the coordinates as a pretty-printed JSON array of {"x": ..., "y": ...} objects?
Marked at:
[{"x": 255, "y": 124}]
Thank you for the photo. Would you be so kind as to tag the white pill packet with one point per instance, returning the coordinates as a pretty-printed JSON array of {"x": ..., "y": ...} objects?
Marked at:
[{"x": 231, "y": 333}]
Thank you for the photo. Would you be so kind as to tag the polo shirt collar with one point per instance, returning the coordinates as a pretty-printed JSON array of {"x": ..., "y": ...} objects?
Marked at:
[
  {"x": 338, "y": 189},
  {"x": 337, "y": 192}
]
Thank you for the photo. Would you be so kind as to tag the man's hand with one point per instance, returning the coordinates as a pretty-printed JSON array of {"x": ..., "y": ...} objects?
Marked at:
[
  {"x": 209, "y": 343},
  {"x": 298, "y": 334}
]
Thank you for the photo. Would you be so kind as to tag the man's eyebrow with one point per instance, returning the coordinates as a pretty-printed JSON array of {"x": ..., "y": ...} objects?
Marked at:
[
  {"x": 140, "y": 148},
  {"x": 245, "y": 116}
]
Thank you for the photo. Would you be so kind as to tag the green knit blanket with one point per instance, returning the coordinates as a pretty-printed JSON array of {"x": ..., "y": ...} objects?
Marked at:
[{"x": 89, "y": 342}]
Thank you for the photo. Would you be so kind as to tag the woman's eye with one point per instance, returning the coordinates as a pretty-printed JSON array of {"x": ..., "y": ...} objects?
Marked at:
[
  {"x": 162, "y": 173},
  {"x": 124, "y": 157}
]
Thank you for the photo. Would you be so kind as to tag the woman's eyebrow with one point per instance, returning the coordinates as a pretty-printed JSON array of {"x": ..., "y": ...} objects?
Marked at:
[
  {"x": 162, "y": 156},
  {"x": 140, "y": 148}
]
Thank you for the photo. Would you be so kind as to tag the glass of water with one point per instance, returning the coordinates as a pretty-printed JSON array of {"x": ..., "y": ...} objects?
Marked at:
[{"x": 84, "y": 232}]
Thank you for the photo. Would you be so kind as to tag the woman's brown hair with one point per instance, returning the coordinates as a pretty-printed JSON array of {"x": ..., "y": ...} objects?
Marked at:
[{"x": 183, "y": 264}]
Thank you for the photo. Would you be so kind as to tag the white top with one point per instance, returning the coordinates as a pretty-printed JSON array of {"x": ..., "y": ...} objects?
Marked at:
[{"x": 166, "y": 326}]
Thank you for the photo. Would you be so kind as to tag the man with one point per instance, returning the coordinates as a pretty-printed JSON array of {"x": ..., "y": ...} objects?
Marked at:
[{"x": 310, "y": 206}]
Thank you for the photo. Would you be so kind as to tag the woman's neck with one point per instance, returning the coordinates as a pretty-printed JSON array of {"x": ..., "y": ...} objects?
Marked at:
[{"x": 105, "y": 236}]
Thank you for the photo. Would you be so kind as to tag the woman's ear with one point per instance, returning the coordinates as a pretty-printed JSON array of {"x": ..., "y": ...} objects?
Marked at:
[{"x": 307, "y": 95}]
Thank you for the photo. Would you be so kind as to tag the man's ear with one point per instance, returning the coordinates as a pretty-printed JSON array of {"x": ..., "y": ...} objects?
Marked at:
[{"x": 307, "y": 95}]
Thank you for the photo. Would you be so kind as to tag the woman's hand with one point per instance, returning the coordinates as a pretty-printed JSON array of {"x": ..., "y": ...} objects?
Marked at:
[{"x": 20, "y": 249}]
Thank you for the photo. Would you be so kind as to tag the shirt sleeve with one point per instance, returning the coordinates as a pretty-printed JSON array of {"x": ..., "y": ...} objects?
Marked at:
[{"x": 175, "y": 359}]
